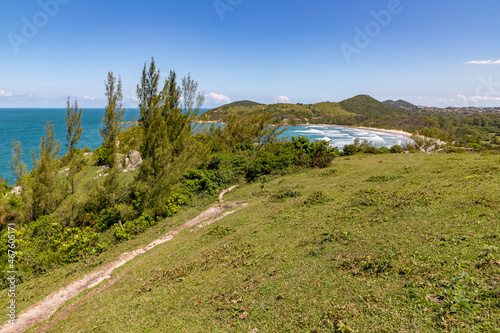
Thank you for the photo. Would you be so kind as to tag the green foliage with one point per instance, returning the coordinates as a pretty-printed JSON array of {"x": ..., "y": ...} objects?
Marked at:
[
  {"x": 174, "y": 203},
  {"x": 17, "y": 165},
  {"x": 168, "y": 148},
  {"x": 111, "y": 129},
  {"x": 396, "y": 149},
  {"x": 132, "y": 228},
  {"x": 245, "y": 131},
  {"x": 461, "y": 295},
  {"x": 45, "y": 190},
  {"x": 219, "y": 231},
  {"x": 46, "y": 243},
  {"x": 299, "y": 152},
  {"x": 109, "y": 217},
  {"x": 284, "y": 193},
  {"x": 202, "y": 180},
  {"x": 350, "y": 150},
  {"x": 318, "y": 197},
  {"x": 102, "y": 156}
]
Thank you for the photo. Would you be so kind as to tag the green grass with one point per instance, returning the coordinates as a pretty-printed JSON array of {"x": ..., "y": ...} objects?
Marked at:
[{"x": 385, "y": 243}]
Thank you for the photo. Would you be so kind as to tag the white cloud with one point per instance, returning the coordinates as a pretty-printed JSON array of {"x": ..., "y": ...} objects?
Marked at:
[
  {"x": 219, "y": 98},
  {"x": 5, "y": 93},
  {"x": 281, "y": 99},
  {"x": 483, "y": 62},
  {"x": 478, "y": 98},
  {"x": 90, "y": 98}
]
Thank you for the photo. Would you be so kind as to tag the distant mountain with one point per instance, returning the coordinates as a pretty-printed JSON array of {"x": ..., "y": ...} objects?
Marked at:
[
  {"x": 432, "y": 111},
  {"x": 243, "y": 103},
  {"x": 400, "y": 104},
  {"x": 359, "y": 110}
]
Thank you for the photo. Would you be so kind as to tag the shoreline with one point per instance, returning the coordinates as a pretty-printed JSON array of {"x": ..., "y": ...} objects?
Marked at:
[
  {"x": 383, "y": 130},
  {"x": 390, "y": 131}
]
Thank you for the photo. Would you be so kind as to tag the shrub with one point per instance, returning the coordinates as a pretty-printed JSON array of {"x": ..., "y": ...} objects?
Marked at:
[
  {"x": 351, "y": 150},
  {"x": 316, "y": 198},
  {"x": 45, "y": 243},
  {"x": 174, "y": 203},
  {"x": 198, "y": 181},
  {"x": 383, "y": 150},
  {"x": 219, "y": 231},
  {"x": 286, "y": 192},
  {"x": 133, "y": 228},
  {"x": 101, "y": 155},
  {"x": 109, "y": 217},
  {"x": 397, "y": 149}
]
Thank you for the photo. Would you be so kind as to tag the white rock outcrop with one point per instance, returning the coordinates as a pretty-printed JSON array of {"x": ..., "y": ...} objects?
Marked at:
[{"x": 132, "y": 161}]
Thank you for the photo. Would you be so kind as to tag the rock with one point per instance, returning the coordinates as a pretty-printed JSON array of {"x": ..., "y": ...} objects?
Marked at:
[
  {"x": 87, "y": 154},
  {"x": 16, "y": 190},
  {"x": 133, "y": 160}
]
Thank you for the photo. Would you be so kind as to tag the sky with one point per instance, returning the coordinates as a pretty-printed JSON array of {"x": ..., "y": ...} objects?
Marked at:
[{"x": 434, "y": 53}]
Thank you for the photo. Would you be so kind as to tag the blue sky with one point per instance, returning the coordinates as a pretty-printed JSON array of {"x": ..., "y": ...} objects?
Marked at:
[{"x": 263, "y": 50}]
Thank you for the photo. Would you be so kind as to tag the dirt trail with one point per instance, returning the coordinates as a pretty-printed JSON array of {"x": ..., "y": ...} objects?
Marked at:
[{"x": 46, "y": 307}]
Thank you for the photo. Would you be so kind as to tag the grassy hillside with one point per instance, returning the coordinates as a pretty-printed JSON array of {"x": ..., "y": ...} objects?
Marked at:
[
  {"x": 379, "y": 243},
  {"x": 368, "y": 106},
  {"x": 320, "y": 113}
]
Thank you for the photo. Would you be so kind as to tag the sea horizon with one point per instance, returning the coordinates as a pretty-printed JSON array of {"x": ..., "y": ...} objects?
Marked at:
[{"x": 27, "y": 126}]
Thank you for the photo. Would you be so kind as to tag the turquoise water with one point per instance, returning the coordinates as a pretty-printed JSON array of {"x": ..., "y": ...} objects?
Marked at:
[
  {"x": 342, "y": 136},
  {"x": 27, "y": 126}
]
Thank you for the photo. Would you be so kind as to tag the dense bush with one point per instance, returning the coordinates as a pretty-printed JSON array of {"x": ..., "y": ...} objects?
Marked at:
[
  {"x": 102, "y": 155},
  {"x": 174, "y": 203},
  {"x": 397, "y": 149},
  {"x": 298, "y": 152},
  {"x": 45, "y": 243},
  {"x": 203, "y": 180},
  {"x": 133, "y": 228}
]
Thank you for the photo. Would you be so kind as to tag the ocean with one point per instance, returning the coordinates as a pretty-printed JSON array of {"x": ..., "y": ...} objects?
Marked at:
[{"x": 27, "y": 126}]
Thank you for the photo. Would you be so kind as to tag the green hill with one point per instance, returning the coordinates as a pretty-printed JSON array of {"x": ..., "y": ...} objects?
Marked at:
[
  {"x": 346, "y": 112},
  {"x": 320, "y": 113},
  {"x": 244, "y": 103},
  {"x": 379, "y": 243},
  {"x": 368, "y": 106}
]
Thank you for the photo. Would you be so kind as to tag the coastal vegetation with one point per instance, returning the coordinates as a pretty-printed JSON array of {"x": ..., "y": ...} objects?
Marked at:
[
  {"x": 330, "y": 240},
  {"x": 476, "y": 131}
]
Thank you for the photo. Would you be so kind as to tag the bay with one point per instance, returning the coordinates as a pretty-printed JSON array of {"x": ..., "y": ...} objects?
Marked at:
[{"x": 27, "y": 126}]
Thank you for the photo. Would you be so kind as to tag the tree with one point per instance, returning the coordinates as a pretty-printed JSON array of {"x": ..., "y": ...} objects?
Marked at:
[
  {"x": 113, "y": 125},
  {"x": 113, "y": 117},
  {"x": 74, "y": 125},
  {"x": 16, "y": 164},
  {"x": 168, "y": 148},
  {"x": 46, "y": 189}
]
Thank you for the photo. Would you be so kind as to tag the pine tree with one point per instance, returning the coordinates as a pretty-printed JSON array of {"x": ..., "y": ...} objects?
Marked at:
[
  {"x": 167, "y": 148},
  {"x": 16, "y": 164},
  {"x": 112, "y": 127},
  {"x": 47, "y": 191},
  {"x": 74, "y": 125}
]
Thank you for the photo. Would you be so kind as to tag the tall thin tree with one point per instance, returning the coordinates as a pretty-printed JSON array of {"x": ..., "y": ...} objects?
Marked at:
[
  {"x": 73, "y": 135},
  {"x": 16, "y": 164},
  {"x": 113, "y": 125},
  {"x": 46, "y": 188}
]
